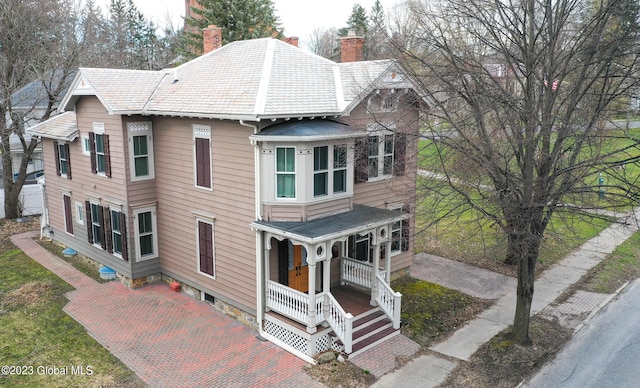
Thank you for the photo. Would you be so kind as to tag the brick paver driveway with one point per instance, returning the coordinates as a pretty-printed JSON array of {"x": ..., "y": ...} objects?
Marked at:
[{"x": 168, "y": 338}]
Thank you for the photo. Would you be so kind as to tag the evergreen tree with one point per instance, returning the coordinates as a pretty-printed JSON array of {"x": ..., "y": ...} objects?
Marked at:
[{"x": 239, "y": 20}]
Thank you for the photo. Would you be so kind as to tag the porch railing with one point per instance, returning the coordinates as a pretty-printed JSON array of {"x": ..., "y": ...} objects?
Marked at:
[
  {"x": 389, "y": 301},
  {"x": 359, "y": 273},
  {"x": 292, "y": 303},
  {"x": 340, "y": 321}
]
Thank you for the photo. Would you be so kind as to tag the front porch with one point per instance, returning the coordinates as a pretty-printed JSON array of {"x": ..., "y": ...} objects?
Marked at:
[
  {"x": 307, "y": 267},
  {"x": 369, "y": 326}
]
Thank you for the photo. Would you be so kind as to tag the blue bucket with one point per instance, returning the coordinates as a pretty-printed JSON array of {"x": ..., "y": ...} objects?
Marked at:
[{"x": 107, "y": 273}]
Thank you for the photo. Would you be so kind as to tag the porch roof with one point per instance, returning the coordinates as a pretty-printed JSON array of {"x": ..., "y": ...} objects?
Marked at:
[
  {"x": 308, "y": 130},
  {"x": 360, "y": 219}
]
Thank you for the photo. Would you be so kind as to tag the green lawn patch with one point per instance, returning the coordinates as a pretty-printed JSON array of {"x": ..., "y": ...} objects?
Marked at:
[
  {"x": 430, "y": 311},
  {"x": 621, "y": 266},
  {"x": 50, "y": 348}
]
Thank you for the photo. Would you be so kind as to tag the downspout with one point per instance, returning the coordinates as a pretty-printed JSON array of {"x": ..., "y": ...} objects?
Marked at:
[{"x": 260, "y": 286}]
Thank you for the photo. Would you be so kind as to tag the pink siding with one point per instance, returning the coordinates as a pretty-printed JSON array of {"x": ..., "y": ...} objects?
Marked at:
[
  {"x": 231, "y": 203},
  {"x": 84, "y": 182}
]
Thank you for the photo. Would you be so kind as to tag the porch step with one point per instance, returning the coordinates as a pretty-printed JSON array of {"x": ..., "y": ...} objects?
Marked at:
[{"x": 369, "y": 329}]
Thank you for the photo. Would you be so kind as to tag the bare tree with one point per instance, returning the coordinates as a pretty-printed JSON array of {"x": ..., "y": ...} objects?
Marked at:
[
  {"x": 520, "y": 91},
  {"x": 31, "y": 33},
  {"x": 325, "y": 42}
]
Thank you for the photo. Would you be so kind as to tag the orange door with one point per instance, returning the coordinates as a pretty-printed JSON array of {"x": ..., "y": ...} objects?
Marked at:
[{"x": 299, "y": 275}]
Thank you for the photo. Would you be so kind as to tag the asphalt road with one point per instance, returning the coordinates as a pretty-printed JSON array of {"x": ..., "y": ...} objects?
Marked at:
[{"x": 605, "y": 353}]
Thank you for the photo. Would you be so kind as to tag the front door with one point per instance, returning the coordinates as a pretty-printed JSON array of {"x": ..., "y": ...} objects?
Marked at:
[{"x": 298, "y": 268}]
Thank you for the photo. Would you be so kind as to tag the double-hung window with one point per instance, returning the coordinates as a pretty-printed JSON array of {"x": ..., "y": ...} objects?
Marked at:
[
  {"x": 380, "y": 155},
  {"x": 329, "y": 174},
  {"x": 206, "y": 252},
  {"x": 141, "y": 151},
  {"x": 286, "y": 172},
  {"x": 118, "y": 233},
  {"x": 63, "y": 163},
  {"x": 202, "y": 155},
  {"x": 95, "y": 224},
  {"x": 146, "y": 233},
  {"x": 99, "y": 150},
  {"x": 339, "y": 168},
  {"x": 320, "y": 171}
]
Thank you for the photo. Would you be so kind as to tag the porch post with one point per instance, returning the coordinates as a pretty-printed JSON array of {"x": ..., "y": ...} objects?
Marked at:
[
  {"x": 376, "y": 271},
  {"x": 326, "y": 287},
  {"x": 267, "y": 271},
  {"x": 387, "y": 260},
  {"x": 311, "y": 323}
]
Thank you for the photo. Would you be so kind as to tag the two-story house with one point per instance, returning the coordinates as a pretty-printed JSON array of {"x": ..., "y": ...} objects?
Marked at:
[{"x": 269, "y": 181}]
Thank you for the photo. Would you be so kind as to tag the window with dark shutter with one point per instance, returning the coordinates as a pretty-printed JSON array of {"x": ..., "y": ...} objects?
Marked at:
[
  {"x": 361, "y": 160},
  {"x": 108, "y": 244},
  {"x": 205, "y": 247},
  {"x": 123, "y": 234},
  {"x": 203, "y": 162},
  {"x": 92, "y": 152},
  {"x": 400, "y": 152},
  {"x": 404, "y": 246},
  {"x": 107, "y": 156},
  {"x": 87, "y": 210},
  {"x": 66, "y": 152},
  {"x": 68, "y": 217},
  {"x": 56, "y": 155},
  {"x": 103, "y": 242}
]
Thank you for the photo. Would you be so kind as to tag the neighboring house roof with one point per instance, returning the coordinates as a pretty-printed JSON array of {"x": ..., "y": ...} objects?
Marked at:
[
  {"x": 250, "y": 80},
  {"x": 61, "y": 127},
  {"x": 34, "y": 94}
]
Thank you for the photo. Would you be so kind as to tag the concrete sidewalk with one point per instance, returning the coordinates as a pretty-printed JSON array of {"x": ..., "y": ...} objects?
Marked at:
[{"x": 432, "y": 369}]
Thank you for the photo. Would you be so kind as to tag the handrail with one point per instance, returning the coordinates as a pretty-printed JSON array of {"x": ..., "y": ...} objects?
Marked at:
[
  {"x": 357, "y": 272},
  {"x": 288, "y": 302},
  {"x": 340, "y": 321},
  {"x": 389, "y": 301}
]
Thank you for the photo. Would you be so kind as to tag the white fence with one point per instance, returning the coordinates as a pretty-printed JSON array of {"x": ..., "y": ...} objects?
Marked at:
[{"x": 30, "y": 198}]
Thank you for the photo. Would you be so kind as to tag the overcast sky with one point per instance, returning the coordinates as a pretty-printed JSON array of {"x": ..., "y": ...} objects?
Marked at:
[{"x": 298, "y": 17}]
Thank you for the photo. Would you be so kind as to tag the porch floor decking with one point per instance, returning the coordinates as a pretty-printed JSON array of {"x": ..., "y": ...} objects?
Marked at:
[{"x": 351, "y": 299}]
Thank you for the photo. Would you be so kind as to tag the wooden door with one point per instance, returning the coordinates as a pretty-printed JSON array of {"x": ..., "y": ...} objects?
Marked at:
[{"x": 299, "y": 271}]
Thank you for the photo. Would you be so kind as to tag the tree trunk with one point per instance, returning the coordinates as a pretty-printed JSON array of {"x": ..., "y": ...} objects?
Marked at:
[
  {"x": 525, "y": 249},
  {"x": 10, "y": 196}
]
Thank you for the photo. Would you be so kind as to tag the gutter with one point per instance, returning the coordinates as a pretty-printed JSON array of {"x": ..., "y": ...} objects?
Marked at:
[{"x": 260, "y": 271}]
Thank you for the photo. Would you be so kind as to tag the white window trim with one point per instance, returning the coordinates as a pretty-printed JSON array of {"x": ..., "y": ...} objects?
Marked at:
[
  {"x": 142, "y": 128},
  {"x": 330, "y": 174},
  {"x": 381, "y": 131},
  {"x": 328, "y": 171},
  {"x": 79, "y": 213},
  {"x": 85, "y": 145},
  {"x": 202, "y": 132},
  {"x": 294, "y": 173},
  {"x": 154, "y": 226},
  {"x": 60, "y": 159},
  {"x": 97, "y": 203},
  {"x": 399, "y": 251},
  {"x": 118, "y": 209},
  {"x": 211, "y": 222}
]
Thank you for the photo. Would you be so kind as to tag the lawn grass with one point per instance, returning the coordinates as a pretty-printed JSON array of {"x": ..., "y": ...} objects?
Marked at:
[
  {"x": 621, "y": 266},
  {"x": 466, "y": 235},
  {"x": 430, "y": 311},
  {"x": 37, "y": 334},
  {"x": 86, "y": 266}
]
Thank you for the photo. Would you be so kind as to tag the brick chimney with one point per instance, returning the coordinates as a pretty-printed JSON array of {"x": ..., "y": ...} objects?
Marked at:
[
  {"x": 187, "y": 14},
  {"x": 351, "y": 48},
  {"x": 212, "y": 38},
  {"x": 292, "y": 40}
]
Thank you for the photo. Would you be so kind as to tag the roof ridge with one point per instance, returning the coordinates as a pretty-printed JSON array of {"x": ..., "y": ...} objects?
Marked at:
[{"x": 265, "y": 78}]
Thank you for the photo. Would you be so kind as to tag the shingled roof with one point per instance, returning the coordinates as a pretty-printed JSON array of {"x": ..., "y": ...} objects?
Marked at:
[{"x": 252, "y": 80}]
